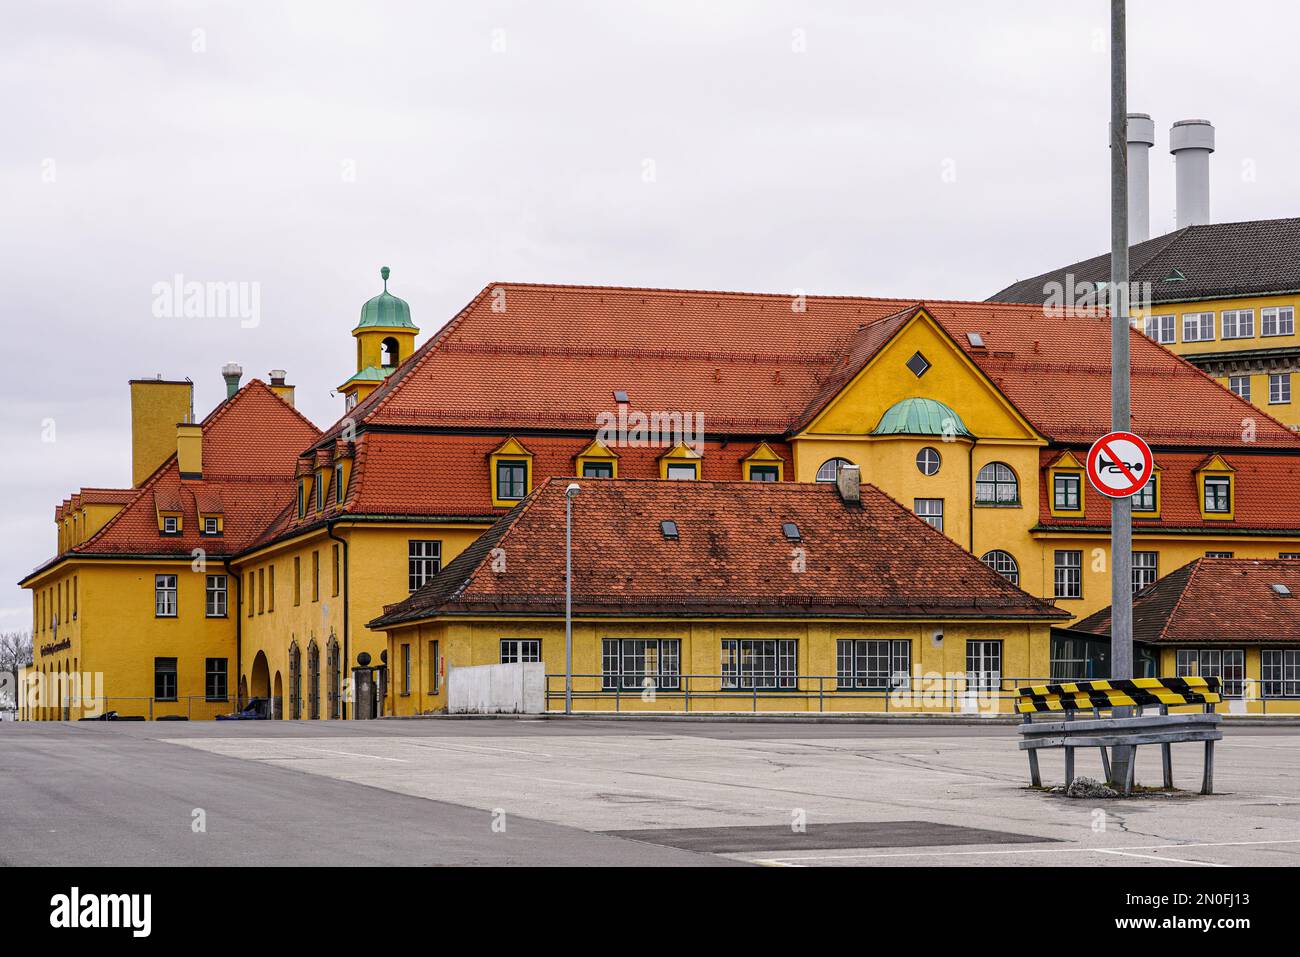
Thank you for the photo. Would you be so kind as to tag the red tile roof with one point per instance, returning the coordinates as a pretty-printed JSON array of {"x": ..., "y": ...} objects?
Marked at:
[
  {"x": 250, "y": 446},
  {"x": 1215, "y": 601},
  {"x": 732, "y": 557},
  {"x": 752, "y": 364},
  {"x": 1258, "y": 504}
]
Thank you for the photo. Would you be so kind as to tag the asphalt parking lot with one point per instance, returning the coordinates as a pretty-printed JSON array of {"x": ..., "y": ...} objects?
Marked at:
[{"x": 530, "y": 792}]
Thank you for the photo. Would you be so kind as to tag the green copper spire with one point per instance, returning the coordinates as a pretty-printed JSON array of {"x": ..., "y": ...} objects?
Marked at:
[{"x": 386, "y": 310}]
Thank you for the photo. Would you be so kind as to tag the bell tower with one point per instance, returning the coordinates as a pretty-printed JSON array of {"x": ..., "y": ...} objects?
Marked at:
[{"x": 385, "y": 339}]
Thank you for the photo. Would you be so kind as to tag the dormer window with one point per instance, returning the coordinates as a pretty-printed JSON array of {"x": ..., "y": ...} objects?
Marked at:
[
  {"x": 319, "y": 479},
  {"x": 1218, "y": 494},
  {"x": 338, "y": 484},
  {"x": 302, "y": 499},
  {"x": 684, "y": 471},
  {"x": 512, "y": 480},
  {"x": 210, "y": 525},
  {"x": 171, "y": 525}
]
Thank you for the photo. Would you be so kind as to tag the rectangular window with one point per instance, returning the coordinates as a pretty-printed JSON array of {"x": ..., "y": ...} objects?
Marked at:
[
  {"x": 302, "y": 506},
  {"x": 983, "y": 665},
  {"x": 1239, "y": 385},
  {"x": 1068, "y": 574},
  {"x": 1218, "y": 493},
  {"x": 320, "y": 490},
  {"x": 1289, "y": 555},
  {"x": 1198, "y": 326},
  {"x": 1218, "y": 554},
  {"x": 764, "y": 473},
  {"x": 750, "y": 663},
  {"x": 1227, "y": 664},
  {"x": 512, "y": 480},
  {"x": 435, "y": 667},
  {"x": 873, "y": 664},
  {"x": 270, "y": 587},
  {"x": 164, "y": 679},
  {"x": 1238, "y": 323},
  {"x": 406, "y": 668},
  {"x": 216, "y": 596},
  {"x": 1065, "y": 492},
  {"x": 1279, "y": 670},
  {"x": 1144, "y": 500},
  {"x": 335, "y": 571},
  {"x": 164, "y": 596},
  {"x": 1279, "y": 388},
  {"x": 214, "y": 680},
  {"x": 1160, "y": 328},
  {"x": 682, "y": 471},
  {"x": 248, "y": 596},
  {"x": 209, "y": 526},
  {"x": 423, "y": 561},
  {"x": 74, "y": 597},
  {"x": 315, "y": 575},
  {"x": 1277, "y": 320},
  {"x": 930, "y": 510},
  {"x": 515, "y": 650},
  {"x": 171, "y": 525},
  {"x": 597, "y": 469},
  {"x": 338, "y": 484},
  {"x": 261, "y": 591},
  {"x": 297, "y": 580},
  {"x": 638, "y": 663},
  {"x": 1145, "y": 569}
]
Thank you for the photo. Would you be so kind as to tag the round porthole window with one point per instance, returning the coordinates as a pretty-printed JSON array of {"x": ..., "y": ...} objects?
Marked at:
[{"x": 927, "y": 460}]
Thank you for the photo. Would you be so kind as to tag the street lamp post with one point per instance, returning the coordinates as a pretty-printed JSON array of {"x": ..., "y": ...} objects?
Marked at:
[
  {"x": 569, "y": 494},
  {"x": 1121, "y": 516}
]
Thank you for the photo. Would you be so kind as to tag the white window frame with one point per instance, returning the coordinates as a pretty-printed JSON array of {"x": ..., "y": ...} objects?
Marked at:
[
  {"x": 983, "y": 665},
  {"x": 624, "y": 663},
  {"x": 517, "y": 650},
  {"x": 1196, "y": 322},
  {"x": 1004, "y": 563},
  {"x": 217, "y": 594},
  {"x": 1067, "y": 573},
  {"x": 873, "y": 664},
  {"x": 1239, "y": 385},
  {"x": 929, "y": 461},
  {"x": 1145, "y": 569},
  {"x": 760, "y": 664},
  {"x": 1218, "y": 481},
  {"x": 166, "y": 596},
  {"x": 1214, "y": 663},
  {"x": 1067, "y": 479},
  {"x": 930, "y": 511},
  {"x": 1242, "y": 323},
  {"x": 1280, "y": 318},
  {"x": 1279, "y": 388},
  {"x": 682, "y": 471},
  {"x": 1279, "y": 673},
  {"x": 829, "y": 471},
  {"x": 1163, "y": 327}
]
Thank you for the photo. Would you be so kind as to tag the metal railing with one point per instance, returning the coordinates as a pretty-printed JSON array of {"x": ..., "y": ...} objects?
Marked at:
[
  {"x": 824, "y": 694},
  {"x": 128, "y": 708}
]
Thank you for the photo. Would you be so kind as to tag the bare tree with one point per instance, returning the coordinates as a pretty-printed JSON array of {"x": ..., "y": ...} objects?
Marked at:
[{"x": 15, "y": 650}]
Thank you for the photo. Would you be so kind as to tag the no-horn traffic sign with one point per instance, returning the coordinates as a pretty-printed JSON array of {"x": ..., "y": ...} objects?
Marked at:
[{"x": 1120, "y": 464}]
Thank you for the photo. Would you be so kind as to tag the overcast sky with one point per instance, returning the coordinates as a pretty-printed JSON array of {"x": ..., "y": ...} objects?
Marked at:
[{"x": 927, "y": 149}]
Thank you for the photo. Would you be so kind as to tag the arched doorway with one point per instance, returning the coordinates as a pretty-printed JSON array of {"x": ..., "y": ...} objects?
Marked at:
[
  {"x": 259, "y": 682},
  {"x": 277, "y": 698}
]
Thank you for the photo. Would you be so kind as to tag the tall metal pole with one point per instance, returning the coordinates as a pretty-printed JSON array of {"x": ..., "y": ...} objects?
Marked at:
[
  {"x": 1121, "y": 523},
  {"x": 569, "y": 493}
]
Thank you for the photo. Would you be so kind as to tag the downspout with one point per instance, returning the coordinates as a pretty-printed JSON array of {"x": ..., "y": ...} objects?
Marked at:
[
  {"x": 346, "y": 664},
  {"x": 239, "y": 628},
  {"x": 971, "y": 497}
]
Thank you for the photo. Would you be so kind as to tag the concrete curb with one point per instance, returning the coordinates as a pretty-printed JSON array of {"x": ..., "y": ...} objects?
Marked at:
[{"x": 937, "y": 720}]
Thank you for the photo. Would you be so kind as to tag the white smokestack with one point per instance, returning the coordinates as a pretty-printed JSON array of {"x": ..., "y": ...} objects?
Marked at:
[
  {"x": 1141, "y": 137},
  {"x": 1192, "y": 142}
]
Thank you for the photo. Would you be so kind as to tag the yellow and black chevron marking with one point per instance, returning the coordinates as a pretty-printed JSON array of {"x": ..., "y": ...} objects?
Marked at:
[{"x": 1120, "y": 692}]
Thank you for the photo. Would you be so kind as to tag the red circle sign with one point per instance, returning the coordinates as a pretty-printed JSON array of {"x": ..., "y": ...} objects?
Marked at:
[{"x": 1120, "y": 464}]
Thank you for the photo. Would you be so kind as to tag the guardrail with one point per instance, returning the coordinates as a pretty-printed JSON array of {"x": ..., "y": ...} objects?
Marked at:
[
  {"x": 922, "y": 694},
  {"x": 127, "y": 708}
]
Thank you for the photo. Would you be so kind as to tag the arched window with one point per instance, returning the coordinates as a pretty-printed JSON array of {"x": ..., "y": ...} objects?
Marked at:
[
  {"x": 389, "y": 352},
  {"x": 1002, "y": 563},
  {"x": 313, "y": 680},
  {"x": 996, "y": 485},
  {"x": 332, "y": 676},
  {"x": 295, "y": 682},
  {"x": 830, "y": 469}
]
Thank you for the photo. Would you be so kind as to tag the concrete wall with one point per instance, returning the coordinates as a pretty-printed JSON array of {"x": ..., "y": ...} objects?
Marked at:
[{"x": 497, "y": 689}]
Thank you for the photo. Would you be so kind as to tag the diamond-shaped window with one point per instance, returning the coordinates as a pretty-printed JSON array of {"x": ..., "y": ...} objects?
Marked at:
[{"x": 919, "y": 365}]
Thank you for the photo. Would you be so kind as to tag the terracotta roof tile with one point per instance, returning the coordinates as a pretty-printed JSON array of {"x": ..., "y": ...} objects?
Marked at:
[
  {"x": 1215, "y": 601},
  {"x": 731, "y": 557}
]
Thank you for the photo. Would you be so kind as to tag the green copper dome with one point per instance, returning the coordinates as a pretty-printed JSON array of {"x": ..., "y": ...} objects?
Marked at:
[
  {"x": 921, "y": 417},
  {"x": 386, "y": 309}
]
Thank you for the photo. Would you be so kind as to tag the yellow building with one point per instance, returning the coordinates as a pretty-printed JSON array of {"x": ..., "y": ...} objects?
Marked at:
[
  {"x": 1222, "y": 295},
  {"x": 975, "y": 416},
  {"x": 723, "y": 596}
]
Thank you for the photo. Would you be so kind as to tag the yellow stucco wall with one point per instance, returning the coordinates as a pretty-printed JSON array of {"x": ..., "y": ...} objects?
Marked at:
[{"x": 477, "y": 642}]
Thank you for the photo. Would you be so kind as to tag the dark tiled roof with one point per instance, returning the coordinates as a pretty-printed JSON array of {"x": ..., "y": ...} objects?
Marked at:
[
  {"x": 1214, "y": 601},
  {"x": 1218, "y": 260},
  {"x": 731, "y": 558}
]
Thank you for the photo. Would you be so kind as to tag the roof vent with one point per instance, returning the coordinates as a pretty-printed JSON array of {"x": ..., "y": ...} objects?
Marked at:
[
  {"x": 1281, "y": 590},
  {"x": 791, "y": 531},
  {"x": 975, "y": 339},
  {"x": 669, "y": 529},
  {"x": 620, "y": 397}
]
